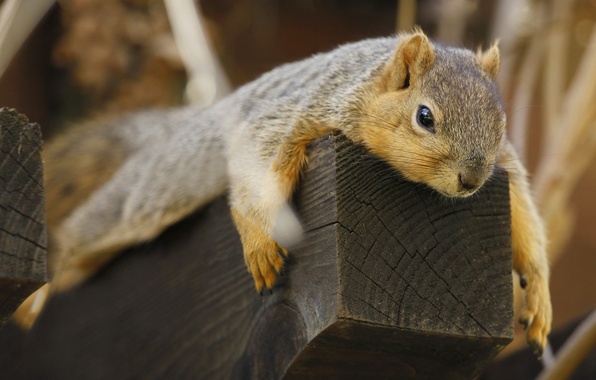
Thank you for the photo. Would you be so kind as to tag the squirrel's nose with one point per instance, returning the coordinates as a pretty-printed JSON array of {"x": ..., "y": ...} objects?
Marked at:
[
  {"x": 473, "y": 171},
  {"x": 469, "y": 181}
]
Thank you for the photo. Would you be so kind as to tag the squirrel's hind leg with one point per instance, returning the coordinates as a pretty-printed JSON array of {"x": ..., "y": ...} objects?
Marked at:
[{"x": 133, "y": 207}]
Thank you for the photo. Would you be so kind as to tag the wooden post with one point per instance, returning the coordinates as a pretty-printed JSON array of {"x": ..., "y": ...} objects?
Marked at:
[
  {"x": 22, "y": 213},
  {"x": 391, "y": 281}
]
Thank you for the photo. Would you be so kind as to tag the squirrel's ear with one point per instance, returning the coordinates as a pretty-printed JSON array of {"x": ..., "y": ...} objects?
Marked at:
[
  {"x": 489, "y": 60},
  {"x": 413, "y": 58}
]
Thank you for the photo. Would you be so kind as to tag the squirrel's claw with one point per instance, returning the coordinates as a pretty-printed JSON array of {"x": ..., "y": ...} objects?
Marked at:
[
  {"x": 536, "y": 316},
  {"x": 264, "y": 257},
  {"x": 537, "y": 335},
  {"x": 264, "y": 261},
  {"x": 537, "y": 345}
]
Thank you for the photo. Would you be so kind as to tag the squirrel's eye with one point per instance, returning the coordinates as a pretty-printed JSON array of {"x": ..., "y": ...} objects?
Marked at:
[{"x": 425, "y": 118}]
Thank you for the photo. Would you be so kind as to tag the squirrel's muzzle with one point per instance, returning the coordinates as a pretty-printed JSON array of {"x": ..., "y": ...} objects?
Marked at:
[
  {"x": 469, "y": 182},
  {"x": 472, "y": 174}
]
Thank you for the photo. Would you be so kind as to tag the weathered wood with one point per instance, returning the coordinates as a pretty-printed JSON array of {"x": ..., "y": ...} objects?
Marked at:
[
  {"x": 22, "y": 213},
  {"x": 391, "y": 280},
  {"x": 424, "y": 266}
]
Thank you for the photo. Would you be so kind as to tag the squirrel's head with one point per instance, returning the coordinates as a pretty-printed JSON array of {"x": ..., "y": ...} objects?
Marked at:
[{"x": 436, "y": 115}]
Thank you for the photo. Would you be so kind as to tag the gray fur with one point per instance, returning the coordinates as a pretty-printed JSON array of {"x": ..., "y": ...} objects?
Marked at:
[{"x": 181, "y": 159}]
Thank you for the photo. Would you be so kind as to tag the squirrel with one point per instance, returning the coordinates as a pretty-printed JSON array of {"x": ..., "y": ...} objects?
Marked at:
[{"x": 432, "y": 112}]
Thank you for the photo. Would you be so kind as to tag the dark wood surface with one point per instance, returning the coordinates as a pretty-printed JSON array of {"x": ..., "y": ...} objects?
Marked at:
[
  {"x": 22, "y": 213},
  {"x": 391, "y": 281}
]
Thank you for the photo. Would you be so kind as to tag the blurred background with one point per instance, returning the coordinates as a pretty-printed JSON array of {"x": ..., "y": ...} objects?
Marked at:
[{"x": 68, "y": 60}]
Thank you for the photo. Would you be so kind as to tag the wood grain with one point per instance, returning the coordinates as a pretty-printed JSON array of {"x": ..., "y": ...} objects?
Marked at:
[
  {"x": 22, "y": 215},
  {"x": 391, "y": 280}
]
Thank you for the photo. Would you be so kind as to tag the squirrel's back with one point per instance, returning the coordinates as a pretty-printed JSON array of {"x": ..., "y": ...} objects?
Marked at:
[{"x": 331, "y": 88}]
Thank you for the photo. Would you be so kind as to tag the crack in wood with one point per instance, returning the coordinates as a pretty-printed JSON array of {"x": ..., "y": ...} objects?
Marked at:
[
  {"x": 20, "y": 213},
  {"x": 24, "y": 238}
]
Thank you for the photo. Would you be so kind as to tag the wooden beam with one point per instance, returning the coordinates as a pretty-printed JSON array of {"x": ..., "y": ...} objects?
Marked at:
[
  {"x": 391, "y": 280},
  {"x": 22, "y": 212}
]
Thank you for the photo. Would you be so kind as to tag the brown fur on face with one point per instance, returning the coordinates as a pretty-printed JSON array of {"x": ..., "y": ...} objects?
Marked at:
[{"x": 468, "y": 115}]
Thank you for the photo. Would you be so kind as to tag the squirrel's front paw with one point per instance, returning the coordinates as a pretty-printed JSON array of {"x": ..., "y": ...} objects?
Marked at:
[
  {"x": 536, "y": 314},
  {"x": 263, "y": 257}
]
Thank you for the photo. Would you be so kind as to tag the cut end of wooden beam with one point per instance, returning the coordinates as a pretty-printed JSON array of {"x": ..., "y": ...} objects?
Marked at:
[
  {"x": 23, "y": 236},
  {"x": 422, "y": 281}
]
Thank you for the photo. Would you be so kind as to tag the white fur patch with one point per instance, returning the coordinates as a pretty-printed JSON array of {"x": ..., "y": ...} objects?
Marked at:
[{"x": 287, "y": 229}]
